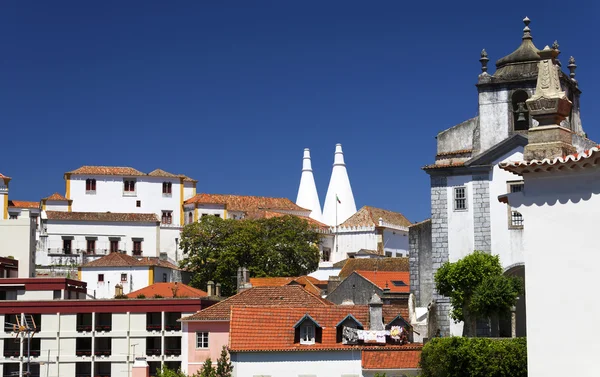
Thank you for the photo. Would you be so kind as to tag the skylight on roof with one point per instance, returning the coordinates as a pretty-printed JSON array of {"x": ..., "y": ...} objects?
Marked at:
[{"x": 398, "y": 283}]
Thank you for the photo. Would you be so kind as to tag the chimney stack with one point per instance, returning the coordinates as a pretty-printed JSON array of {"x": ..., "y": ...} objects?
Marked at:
[
  {"x": 218, "y": 290},
  {"x": 210, "y": 288},
  {"x": 549, "y": 106},
  {"x": 376, "y": 313},
  {"x": 140, "y": 368},
  {"x": 339, "y": 202},
  {"x": 307, "y": 192},
  {"x": 118, "y": 290}
]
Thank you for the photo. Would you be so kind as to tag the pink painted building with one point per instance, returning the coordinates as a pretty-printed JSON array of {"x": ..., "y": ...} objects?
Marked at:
[{"x": 206, "y": 332}]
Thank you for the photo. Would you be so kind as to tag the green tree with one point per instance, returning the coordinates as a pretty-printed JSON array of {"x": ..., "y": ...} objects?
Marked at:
[
  {"x": 166, "y": 372},
  {"x": 477, "y": 287},
  {"x": 214, "y": 248},
  {"x": 224, "y": 367},
  {"x": 207, "y": 369}
]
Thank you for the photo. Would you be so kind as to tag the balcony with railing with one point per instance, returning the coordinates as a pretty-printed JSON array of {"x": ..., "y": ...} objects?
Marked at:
[
  {"x": 35, "y": 349},
  {"x": 103, "y": 322},
  {"x": 102, "y": 369},
  {"x": 84, "y": 322},
  {"x": 102, "y": 346},
  {"x": 153, "y": 346},
  {"x": 83, "y": 347},
  {"x": 12, "y": 348},
  {"x": 83, "y": 369},
  {"x": 173, "y": 346},
  {"x": 171, "y": 323},
  {"x": 153, "y": 322}
]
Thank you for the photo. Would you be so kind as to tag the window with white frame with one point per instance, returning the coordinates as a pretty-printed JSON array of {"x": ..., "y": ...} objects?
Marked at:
[
  {"x": 460, "y": 198},
  {"x": 515, "y": 219},
  {"x": 202, "y": 339},
  {"x": 307, "y": 333},
  {"x": 129, "y": 186}
]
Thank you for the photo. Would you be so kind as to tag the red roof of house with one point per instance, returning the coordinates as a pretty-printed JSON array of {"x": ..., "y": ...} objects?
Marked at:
[
  {"x": 271, "y": 329},
  {"x": 23, "y": 204},
  {"x": 372, "y": 264},
  {"x": 385, "y": 279},
  {"x": 103, "y": 216},
  {"x": 168, "y": 290},
  {"x": 162, "y": 173},
  {"x": 56, "y": 197},
  {"x": 124, "y": 260},
  {"x": 287, "y": 295},
  {"x": 246, "y": 203},
  {"x": 391, "y": 359},
  {"x": 106, "y": 170},
  {"x": 369, "y": 216},
  {"x": 271, "y": 214},
  {"x": 584, "y": 159}
]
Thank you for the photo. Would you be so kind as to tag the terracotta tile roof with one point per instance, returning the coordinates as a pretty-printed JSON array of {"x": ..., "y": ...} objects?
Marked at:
[
  {"x": 122, "y": 260},
  {"x": 445, "y": 165},
  {"x": 23, "y": 204},
  {"x": 166, "y": 290},
  {"x": 4, "y": 176},
  {"x": 56, "y": 197},
  {"x": 391, "y": 359},
  {"x": 369, "y": 216},
  {"x": 271, "y": 214},
  {"x": 162, "y": 173},
  {"x": 246, "y": 203},
  {"x": 384, "y": 279},
  {"x": 462, "y": 151},
  {"x": 106, "y": 170},
  {"x": 271, "y": 329},
  {"x": 308, "y": 283},
  {"x": 187, "y": 179},
  {"x": 287, "y": 295},
  {"x": 103, "y": 216},
  {"x": 372, "y": 264},
  {"x": 587, "y": 158},
  {"x": 421, "y": 222}
]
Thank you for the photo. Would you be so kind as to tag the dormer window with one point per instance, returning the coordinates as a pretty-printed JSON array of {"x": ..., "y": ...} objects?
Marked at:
[
  {"x": 307, "y": 331},
  {"x": 347, "y": 330}
]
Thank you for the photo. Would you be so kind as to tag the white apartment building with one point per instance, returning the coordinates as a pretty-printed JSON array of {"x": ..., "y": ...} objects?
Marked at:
[
  {"x": 114, "y": 209},
  {"x": 77, "y": 338}
]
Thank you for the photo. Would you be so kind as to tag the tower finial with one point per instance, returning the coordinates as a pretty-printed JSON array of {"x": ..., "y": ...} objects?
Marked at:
[
  {"x": 484, "y": 61},
  {"x": 572, "y": 67},
  {"x": 526, "y": 29}
]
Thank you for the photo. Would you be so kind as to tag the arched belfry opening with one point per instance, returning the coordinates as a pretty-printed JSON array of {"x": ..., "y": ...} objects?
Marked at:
[
  {"x": 520, "y": 111},
  {"x": 519, "y": 315}
]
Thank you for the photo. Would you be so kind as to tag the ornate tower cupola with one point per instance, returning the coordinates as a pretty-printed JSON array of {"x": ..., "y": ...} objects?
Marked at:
[{"x": 503, "y": 95}]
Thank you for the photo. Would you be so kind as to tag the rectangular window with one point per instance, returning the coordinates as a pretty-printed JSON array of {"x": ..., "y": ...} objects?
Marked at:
[
  {"x": 91, "y": 246},
  {"x": 137, "y": 247},
  {"x": 202, "y": 339},
  {"x": 164, "y": 278},
  {"x": 13, "y": 216},
  {"x": 167, "y": 217},
  {"x": 67, "y": 246},
  {"x": 129, "y": 187},
  {"x": 90, "y": 186},
  {"x": 138, "y": 203},
  {"x": 166, "y": 188},
  {"x": 326, "y": 254},
  {"x": 123, "y": 277},
  {"x": 100, "y": 278},
  {"x": 460, "y": 198},
  {"x": 515, "y": 219},
  {"x": 307, "y": 334},
  {"x": 114, "y": 246}
]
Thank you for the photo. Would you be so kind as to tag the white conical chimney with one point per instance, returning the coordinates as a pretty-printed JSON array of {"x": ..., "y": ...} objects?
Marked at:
[
  {"x": 339, "y": 189},
  {"x": 307, "y": 192}
]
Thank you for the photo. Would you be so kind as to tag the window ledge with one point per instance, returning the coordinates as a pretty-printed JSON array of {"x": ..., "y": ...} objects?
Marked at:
[
  {"x": 132, "y": 194},
  {"x": 90, "y": 192}
]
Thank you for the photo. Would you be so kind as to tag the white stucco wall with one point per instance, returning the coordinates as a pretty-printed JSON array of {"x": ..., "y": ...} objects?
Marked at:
[
  {"x": 562, "y": 269},
  {"x": 507, "y": 243},
  {"x": 286, "y": 364},
  {"x": 56, "y": 229},
  {"x": 353, "y": 241},
  {"x": 493, "y": 118},
  {"x": 460, "y": 223},
  {"x": 17, "y": 239},
  {"x": 61, "y": 206},
  {"x": 395, "y": 242},
  {"x": 137, "y": 278}
]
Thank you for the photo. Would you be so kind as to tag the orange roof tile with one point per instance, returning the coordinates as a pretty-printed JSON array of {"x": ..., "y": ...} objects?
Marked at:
[
  {"x": 187, "y": 179},
  {"x": 162, "y": 173},
  {"x": 253, "y": 329},
  {"x": 4, "y": 177},
  {"x": 271, "y": 214},
  {"x": 246, "y": 203},
  {"x": 391, "y": 359},
  {"x": 373, "y": 264},
  {"x": 23, "y": 204},
  {"x": 577, "y": 160},
  {"x": 444, "y": 165},
  {"x": 56, "y": 197},
  {"x": 369, "y": 216},
  {"x": 124, "y": 260},
  {"x": 308, "y": 283},
  {"x": 106, "y": 170},
  {"x": 168, "y": 290},
  {"x": 287, "y": 295},
  {"x": 384, "y": 279},
  {"x": 103, "y": 216}
]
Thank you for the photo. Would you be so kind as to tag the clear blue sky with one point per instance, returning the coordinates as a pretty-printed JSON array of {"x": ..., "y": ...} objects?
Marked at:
[{"x": 230, "y": 92}]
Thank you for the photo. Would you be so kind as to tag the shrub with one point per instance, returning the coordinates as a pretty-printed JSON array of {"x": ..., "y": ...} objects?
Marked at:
[
  {"x": 158, "y": 296},
  {"x": 121, "y": 297},
  {"x": 141, "y": 295},
  {"x": 474, "y": 357}
]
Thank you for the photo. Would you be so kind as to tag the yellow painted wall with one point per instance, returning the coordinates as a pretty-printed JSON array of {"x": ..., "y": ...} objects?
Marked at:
[{"x": 151, "y": 275}]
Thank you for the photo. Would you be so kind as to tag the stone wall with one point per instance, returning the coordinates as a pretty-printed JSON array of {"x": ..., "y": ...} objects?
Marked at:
[
  {"x": 420, "y": 261},
  {"x": 481, "y": 213},
  {"x": 354, "y": 288}
]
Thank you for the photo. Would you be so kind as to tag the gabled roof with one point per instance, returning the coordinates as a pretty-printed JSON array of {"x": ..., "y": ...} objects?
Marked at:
[
  {"x": 305, "y": 318},
  {"x": 2, "y": 176},
  {"x": 23, "y": 204},
  {"x": 373, "y": 264},
  {"x": 106, "y": 170},
  {"x": 288, "y": 295},
  {"x": 162, "y": 173},
  {"x": 124, "y": 260},
  {"x": 386, "y": 279},
  {"x": 103, "y": 216},
  {"x": 369, "y": 216},
  {"x": 56, "y": 197},
  {"x": 187, "y": 179},
  {"x": 585, "y": 159},
  {"x": 391, "y": 359},
  {"x": 307, "y": 282},
  {"x": 271, "y": 329},
  {"x": 168, "y": 290},
  {"x": 498, "y": 150},
  {"x": 245, "y": 203}
]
